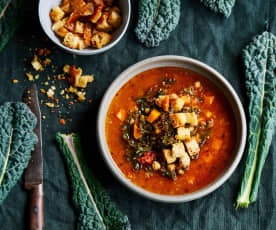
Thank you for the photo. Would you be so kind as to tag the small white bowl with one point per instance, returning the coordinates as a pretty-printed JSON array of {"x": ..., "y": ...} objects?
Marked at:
[
  {"x": 205, "y": 71},
  {"x": 45, "y": 7}
]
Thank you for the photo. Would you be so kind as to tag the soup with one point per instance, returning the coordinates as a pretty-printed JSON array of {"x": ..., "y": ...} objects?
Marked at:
[{"x": 170, "y": 131}]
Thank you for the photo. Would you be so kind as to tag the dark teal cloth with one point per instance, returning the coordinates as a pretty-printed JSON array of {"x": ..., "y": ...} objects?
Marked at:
[{"x": 200, "y": 34}]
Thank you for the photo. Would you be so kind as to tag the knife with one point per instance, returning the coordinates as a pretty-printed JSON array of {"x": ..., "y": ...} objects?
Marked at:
[{"x": 34, "y": 173}]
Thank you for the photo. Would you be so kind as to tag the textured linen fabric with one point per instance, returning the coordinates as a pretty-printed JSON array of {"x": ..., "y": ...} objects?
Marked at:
[{"x": 200, "y": 34}]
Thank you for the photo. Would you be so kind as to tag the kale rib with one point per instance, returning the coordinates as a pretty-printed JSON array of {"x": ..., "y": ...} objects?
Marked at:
[{"x": 260, "y": 63}]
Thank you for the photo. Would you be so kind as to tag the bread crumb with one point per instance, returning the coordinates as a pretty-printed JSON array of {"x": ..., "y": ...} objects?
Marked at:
[
  {"x": 29, "y": 76},
  {"x": 50, "y": 105},
  {"x": 62, "y": 121},
  {"x": 14, "y": 81}
]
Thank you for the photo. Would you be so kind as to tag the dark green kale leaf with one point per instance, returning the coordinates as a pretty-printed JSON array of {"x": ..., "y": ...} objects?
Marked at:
[
  {"x": 260, "y": 65},
  {"x": 17, "y": 141},
  {"x": 220, "y": 6},
  {"x": 8, "y": 20},
  {"x": 156, "y": 20},
  {"x": 95, "y": 209}
]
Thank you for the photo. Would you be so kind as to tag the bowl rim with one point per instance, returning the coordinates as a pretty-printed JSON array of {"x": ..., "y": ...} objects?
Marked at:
[
  {"x": 101, "y": 116},
  {"x": 86, "y": 52}
]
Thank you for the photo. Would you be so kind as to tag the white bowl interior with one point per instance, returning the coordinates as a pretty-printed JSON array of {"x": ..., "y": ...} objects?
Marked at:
[
  {"x": 45, "y": 7},
  {"x": 204, "y": 70}
]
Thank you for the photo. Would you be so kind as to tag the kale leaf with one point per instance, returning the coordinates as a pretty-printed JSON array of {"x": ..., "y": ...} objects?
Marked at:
[
  {"x": 220, "y": 6},
  {"x": 260, "y": 66},
  {"x": 95, "y": 209},
  {"x": 17, "y": 141},
  {"x": 8, "y": 20},
  {"x": 156, "y": 20}
]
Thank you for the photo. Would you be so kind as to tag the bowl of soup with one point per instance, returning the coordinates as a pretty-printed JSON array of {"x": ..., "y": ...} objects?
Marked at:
[{"x": 171, "y": 129}]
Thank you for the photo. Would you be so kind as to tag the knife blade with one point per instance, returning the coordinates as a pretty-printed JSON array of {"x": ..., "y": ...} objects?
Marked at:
[
  {"x": 34, "y": 172},
  {"x": 33, "y": 176}
]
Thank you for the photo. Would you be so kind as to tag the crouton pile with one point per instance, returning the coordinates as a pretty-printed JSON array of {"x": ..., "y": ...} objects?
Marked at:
[{"x": 86, "y": 23}]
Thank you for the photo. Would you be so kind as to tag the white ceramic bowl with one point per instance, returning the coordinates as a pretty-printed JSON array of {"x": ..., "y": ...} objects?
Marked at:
[
  {"x": 205, "y": 71},
  {"x": 45, "y": 7}
]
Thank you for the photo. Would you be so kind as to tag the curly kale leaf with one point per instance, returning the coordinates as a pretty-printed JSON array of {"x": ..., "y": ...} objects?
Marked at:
[
  {"x": 17, "y": 141},
  {"x": 260, "y": 66},
  {"x": 220, "y": 6},
  {"x": 8, "y": 20},
  {"x": 95, "y": 209},
  {"x": 156, "y": 20}
]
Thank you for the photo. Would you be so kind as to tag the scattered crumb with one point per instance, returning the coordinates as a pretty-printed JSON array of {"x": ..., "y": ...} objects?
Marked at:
[
  {"x": 36, "y": 64},
  {"x": 50, "y": 105},
  {"x": 37, "y": 76},
  {"x": 50, "y": 93},
  {"x": 30, "y": 76},
  {"x": 14, "y": 81},
  {"x": 43, "y": 117},
  {"x": 62, "y": 121}
]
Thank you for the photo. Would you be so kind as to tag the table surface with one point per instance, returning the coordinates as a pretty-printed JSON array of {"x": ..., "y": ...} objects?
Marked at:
[{"x": 200, "y": 34}]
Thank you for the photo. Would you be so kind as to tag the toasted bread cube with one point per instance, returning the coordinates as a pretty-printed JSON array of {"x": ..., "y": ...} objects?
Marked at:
[
  {"x": 163, "y": 102},
  {"x": 62, "y": 32},
  {"x": 178, "y": 119},
  {"x": 66, "y": 68},
  {"x": 79, "y": 27},
  {"x": 102, "y": 24},
  {"x": 192, "y": 148},
  {"x": 121, "y": 115},
  {"x": 171, "y": 167},
  {"x": 156, "y": 165},
  {"x": 97, "y": 14},
  {"x": 136, "y": 132},
  {"x": 71, "y": 40},
  {"x": 183, "y": 133},
  {"x": 36, "y": 64},
  {"x": 58, "y": 24},
  {"x": 184, "y": 161},
  {"x": 81, "y": 44},
  {"x": 191, "y": 118},
  {"x": 178, "y": 150},
  {"x": 186, "y": 98},
  {"x": 57, "y": 14},
  {"x": 66, "y": 6},
  {"x": 153, "y": 116},
  {"x": 167, "y": 153},
  {"x": 177, "y": 104},
  {"x": 114, "y": 18},
  {"x": 100, "y": 39},
  {"x": 87, "y": 34}
]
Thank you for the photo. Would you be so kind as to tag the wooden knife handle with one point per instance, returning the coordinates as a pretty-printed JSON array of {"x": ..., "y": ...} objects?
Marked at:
[{"x": 36, "y": 208}]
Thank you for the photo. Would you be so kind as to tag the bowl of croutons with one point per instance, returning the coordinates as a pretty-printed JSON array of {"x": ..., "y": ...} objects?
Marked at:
[{"x": 85, "y": 27}]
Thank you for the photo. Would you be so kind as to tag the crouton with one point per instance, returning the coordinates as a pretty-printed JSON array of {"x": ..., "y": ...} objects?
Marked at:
[
  {"x": 87, "y": 34},
  {"x": 87, "y": 9},
  {"x": 163, "y": 102},
  {"x": 83, "y": 80},
  {"x": 183, "y": 133},
  {"x": 184, "y": 161},
  {"x": 156, "y": 165},
  {"x": 62, "y": 32},
  {"x": 100, "y": 39},
  {"x": 97, "y": 14},
  {"x": 36, "y": 64},
  {"x": 71, "y": 40},
  {"x": 192, "y": 148},
  {"x": 136, "y": 132},
  {"x": 59, "y": 24},
  {"x": 102, "y": 24},
  {"x": 167, "y": 153},
  {"x": 121, "y": 115},
  {"x": 79, "y": 27},
  {"x": 191, "y": 118},
  {"x": 178, "y": 119},
  {"x": 114, "y": 18},
  {"x": 177, "y": 104},
  {"x": 178, "y": 150},
  {"x": 186, "y": 98},
  {"x": 208, "y": 114},
  {"x": 66, "y": 6},
  {"x": 57, "y": 14},
  {"x": 197, "y": 84},
  {"x": 153, "y": 116}
]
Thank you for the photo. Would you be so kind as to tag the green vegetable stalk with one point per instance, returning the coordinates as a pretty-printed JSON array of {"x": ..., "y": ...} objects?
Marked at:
[
  {"x": 95, "y": 209},
  {"x": 260, "y": 64}
]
